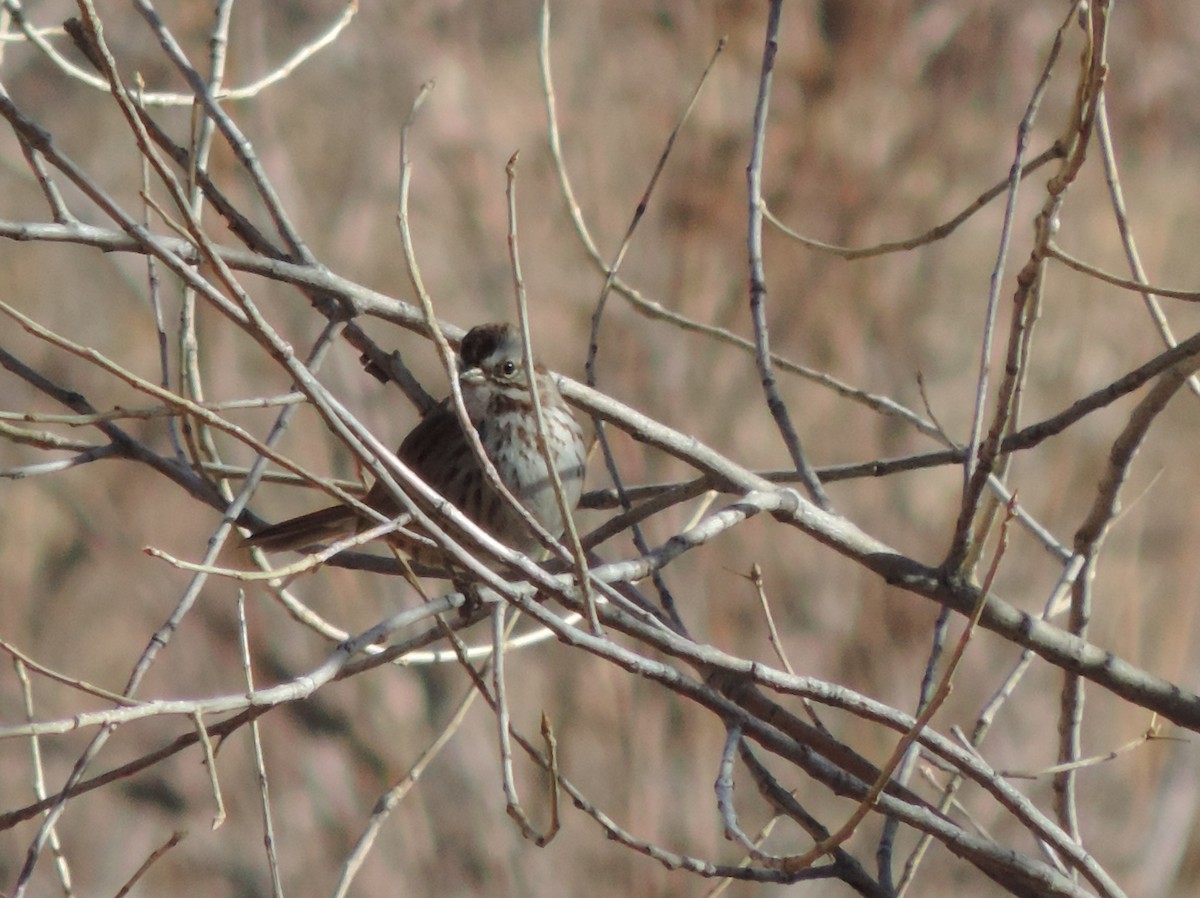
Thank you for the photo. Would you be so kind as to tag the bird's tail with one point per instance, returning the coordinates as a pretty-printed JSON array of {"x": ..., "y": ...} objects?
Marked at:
[{"x": 310, "y": 529}]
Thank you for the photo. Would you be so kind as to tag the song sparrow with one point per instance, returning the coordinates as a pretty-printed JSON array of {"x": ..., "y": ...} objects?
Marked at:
[{"x": 497, "y": 398}]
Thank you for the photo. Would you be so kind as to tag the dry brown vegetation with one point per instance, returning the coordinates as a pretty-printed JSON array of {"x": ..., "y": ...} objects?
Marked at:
[{"x": 883, "y": 122}]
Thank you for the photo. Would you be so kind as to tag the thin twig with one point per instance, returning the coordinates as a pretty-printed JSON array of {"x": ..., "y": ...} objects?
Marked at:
[
  {"x": 503, "y": 726},
  {"x": 37, "y": 37},
  {"x": 610, "y": 276},
  {"x": 61, "y": 868},
  {"x": 566, "y": 513},
  {"x": 260, "y": 764},
  {"x": 758, "y": 277},
  {"x": 391, "y": 799},
  {"x": 155, "y": 856},
  {"x": 940, "y": 232},
  {"x": 210, "y": 763},
  {"x": 979, "y": 456}
]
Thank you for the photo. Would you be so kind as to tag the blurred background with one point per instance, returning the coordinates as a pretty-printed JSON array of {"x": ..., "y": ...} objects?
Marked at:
[{"x": 886, "y": 120}]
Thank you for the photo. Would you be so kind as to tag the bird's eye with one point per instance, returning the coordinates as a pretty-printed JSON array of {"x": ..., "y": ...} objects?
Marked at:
[{"x": 508, "y": 368}]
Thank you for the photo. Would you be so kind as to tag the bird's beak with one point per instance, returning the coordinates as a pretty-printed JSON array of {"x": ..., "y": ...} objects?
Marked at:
[{"x": 471, "y": 376}]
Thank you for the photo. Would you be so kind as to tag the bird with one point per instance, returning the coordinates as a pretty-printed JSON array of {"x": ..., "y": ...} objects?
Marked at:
[{"x": 496, "y": 393}]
